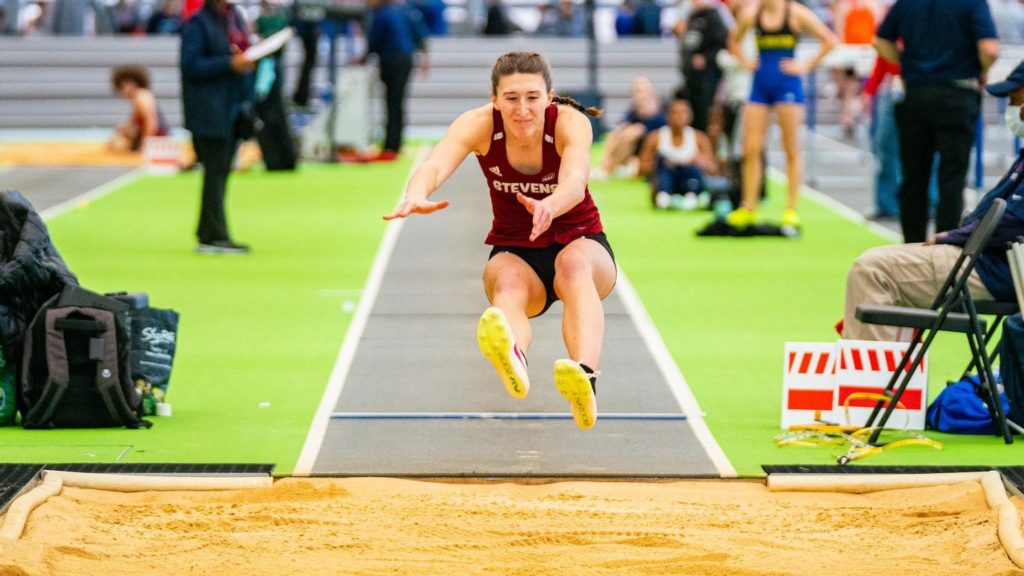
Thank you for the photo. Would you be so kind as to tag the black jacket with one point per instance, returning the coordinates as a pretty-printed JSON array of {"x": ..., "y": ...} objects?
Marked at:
[
  {"x": 216, "y": 99},
  {"x": 31, "y": 270},
  {"x": 706, "y": 35}
]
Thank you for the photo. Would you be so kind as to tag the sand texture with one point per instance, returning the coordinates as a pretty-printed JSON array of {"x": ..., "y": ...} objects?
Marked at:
[
  {"x": 65, "y": 154},
  {"x": 388, "y": 526}
]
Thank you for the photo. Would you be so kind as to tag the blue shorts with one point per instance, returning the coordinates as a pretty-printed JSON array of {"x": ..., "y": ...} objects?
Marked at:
[{"x": 773, "y": 86}]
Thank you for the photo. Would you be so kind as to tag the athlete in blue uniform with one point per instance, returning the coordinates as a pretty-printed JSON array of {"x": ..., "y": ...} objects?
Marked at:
[{"x": 778, "y": 78}]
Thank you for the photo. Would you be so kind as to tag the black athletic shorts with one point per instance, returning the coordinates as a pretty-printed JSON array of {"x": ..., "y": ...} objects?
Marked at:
[{"x": 542, "y": 261}]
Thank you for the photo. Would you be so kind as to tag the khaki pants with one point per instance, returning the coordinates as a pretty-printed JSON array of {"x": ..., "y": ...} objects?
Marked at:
[{"x": 900, "y": 275}]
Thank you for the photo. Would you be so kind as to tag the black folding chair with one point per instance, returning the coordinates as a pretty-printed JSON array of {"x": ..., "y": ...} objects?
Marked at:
[
  {"x": 998, "y": 310},
  {"x": 952, "y": 311}
]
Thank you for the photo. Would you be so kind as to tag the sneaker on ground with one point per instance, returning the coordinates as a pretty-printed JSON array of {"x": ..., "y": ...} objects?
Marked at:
[
  {"x": 685, "y": 201},
  {"x": 222, "y": 247},
  {"x": 741, "y": 218},
  {"x": 497, "y": 343},
  {"x": 790, "y": 218},
  {"x": 573, "y": 383},
  {"x": 662, "y": 200}
]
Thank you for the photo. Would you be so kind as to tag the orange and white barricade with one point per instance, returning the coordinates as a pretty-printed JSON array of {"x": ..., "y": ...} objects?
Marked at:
[
  {"x": 808, "y": 383},
  {"x": 162, "y": 154},
  {"x": 863, "y": 372}
]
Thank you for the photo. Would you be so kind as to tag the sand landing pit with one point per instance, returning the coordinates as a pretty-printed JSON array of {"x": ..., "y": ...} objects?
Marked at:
[
  {"x": 389, "y": 526},
  {"x": 65, "y": 154}
]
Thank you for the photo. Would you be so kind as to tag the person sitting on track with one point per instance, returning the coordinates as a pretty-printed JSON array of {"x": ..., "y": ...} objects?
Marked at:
[{"x": 132, "y": 82}]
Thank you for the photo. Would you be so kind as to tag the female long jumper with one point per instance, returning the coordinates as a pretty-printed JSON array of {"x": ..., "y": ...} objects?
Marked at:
[{"x": 548, "y": 242}]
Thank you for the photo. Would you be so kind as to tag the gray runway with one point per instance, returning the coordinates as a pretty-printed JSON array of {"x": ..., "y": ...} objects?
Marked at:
[
  {"x": 418, "y": 356},
  {"x": 46, "y": 187}
]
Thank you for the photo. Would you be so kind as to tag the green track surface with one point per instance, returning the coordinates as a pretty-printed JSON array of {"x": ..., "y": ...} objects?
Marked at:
[
  {"x": 264, "y": 330},
  {"x": 259, "y": 334},
  {"x": 725, "y": 307}
]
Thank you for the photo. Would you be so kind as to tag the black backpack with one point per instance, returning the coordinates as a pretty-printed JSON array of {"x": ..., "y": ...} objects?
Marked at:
[{"x": 75, "y": 369}]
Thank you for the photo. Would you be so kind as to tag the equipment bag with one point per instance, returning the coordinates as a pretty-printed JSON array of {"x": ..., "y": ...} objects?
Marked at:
[
  {"x": 1011, "y": 365},
  {"x": 960, "y": 409},
  {"x": 76, "y": 371},
  {"x": 152, "y": 333}
]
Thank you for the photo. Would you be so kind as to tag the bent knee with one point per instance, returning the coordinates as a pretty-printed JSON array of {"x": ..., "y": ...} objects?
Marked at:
[
  {"x": 508, "y": 280},
  {"x": 572, "y": 266}
]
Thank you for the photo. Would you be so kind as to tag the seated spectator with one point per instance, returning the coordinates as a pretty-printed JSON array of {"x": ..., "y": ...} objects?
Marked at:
[
  {"x": 647, "y": 19},
  {"x": 563, "y": 20},
  {"x": 498, "y": 23},
  {"x": 126, "y": 17},
  {"x": 622, "y": 145},
  {"x": 132, "y": 82},
  {"x": 165, "y": 19},
  {"x": 911, "y": 274},
  {"x": 624, "y": 16},
  {"x": 676, "y": 157}
]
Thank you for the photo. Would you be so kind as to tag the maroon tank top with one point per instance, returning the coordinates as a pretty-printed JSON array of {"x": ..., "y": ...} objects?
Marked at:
[{"x": 512, "y": 222}]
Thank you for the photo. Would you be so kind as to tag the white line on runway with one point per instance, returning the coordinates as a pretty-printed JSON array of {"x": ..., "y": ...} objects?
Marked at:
[
  {"x": 670, "y": 371},
  {"x": 94, "y": 194},
  {"x": 501, "y": 416},
  {"x": 315, "y": 438}
]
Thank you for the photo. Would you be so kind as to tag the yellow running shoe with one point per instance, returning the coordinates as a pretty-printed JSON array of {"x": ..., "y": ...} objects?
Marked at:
[
  {"x": 498, "y": 345},
  {"x": 574, "y": 383},
  {"x": 790, "y": 218},
  {"x": 741, "y": 218}
]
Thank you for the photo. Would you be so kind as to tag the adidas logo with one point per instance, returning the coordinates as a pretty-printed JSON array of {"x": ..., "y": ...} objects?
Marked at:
[
  {"x": 496, "y": 171},
  {"x": 498, "y": 136},
  {"x": 549, "y": 138},
  {"x": 548, "y": 177}
]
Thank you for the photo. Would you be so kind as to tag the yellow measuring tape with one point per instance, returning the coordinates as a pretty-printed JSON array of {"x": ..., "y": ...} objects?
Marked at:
[{"x": 829, "y": 433}]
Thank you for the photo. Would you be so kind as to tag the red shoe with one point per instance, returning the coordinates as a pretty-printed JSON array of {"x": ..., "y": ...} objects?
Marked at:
[
  {"x": 839, "y": 327},
  {"x": 386, "y": 156}
]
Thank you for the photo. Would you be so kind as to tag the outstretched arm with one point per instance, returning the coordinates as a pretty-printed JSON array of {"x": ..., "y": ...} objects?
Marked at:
[
  {"x": 461, "y": 139},
  {"x": 573, "y": 137}
]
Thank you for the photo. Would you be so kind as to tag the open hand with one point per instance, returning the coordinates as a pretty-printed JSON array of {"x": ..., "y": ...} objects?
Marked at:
[
  {"x": 542, "y": 215},
  {"x": 407, "y": 207},
  {"x": 792, "y": 67},
  {"x": 240, "y": 63}
]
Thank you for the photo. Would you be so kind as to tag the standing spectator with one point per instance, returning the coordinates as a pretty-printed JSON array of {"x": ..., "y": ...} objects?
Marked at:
[
  {"x": 395, "y": 35},
  {"x": 132, "y": 82},
  {"x": 165, "y": 19},
  {"x": 647, "y": 18},
  {"x": 855, "y": 22},
  {"x": 498, "y": 22},
  {"x": 306, "y": 18},
  {"x": 948, "y": 47},
  {"x": 700, "y": 39},
  {"x": 884, "y": 87},
  {"x": 216, "y": 89},
  {"x": 676, "y": 157},
  {"x": 273, "y": 131},
  {"x": 778, "y": 84},
  {"x": 432, "y": 12}
]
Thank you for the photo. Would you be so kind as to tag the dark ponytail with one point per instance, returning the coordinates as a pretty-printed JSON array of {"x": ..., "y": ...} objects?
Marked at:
[{"x": 589, "y": 110}]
